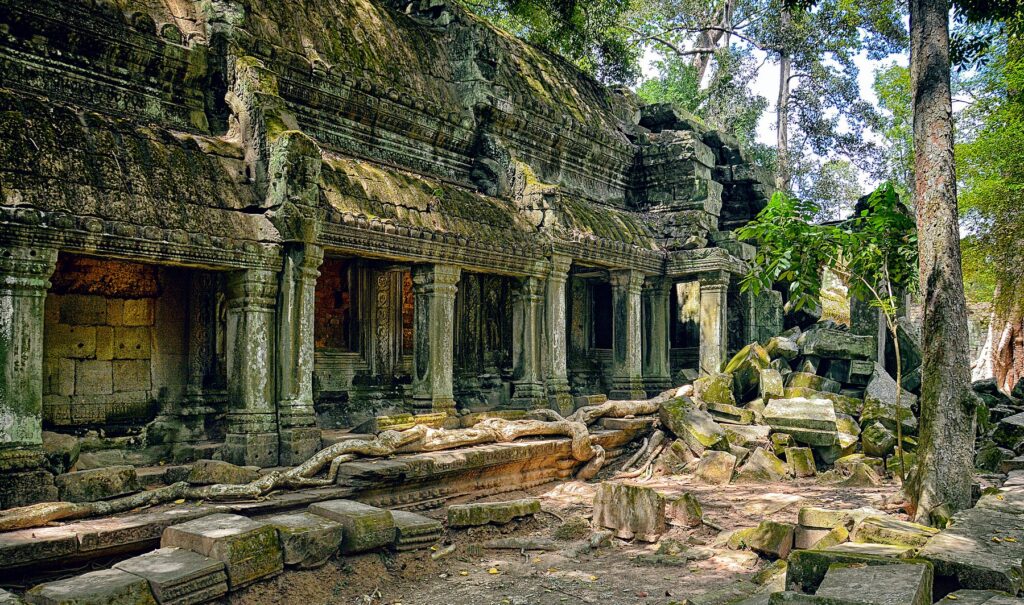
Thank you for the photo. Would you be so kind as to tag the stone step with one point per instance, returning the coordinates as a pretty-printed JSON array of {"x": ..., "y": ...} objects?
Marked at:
[
  {"x": 249, "y": 549},
  {"x": 364, "y": 527},
  {"x": 903, "y": 584},
  {"x": 982, "y": 549},
  {"x": 179, "y": 577},
  {"x": 106, "y": 587}
]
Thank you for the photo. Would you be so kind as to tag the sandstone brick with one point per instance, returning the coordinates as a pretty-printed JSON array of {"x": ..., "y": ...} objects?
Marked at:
[
  {"x": 94, "y": 377},
  {"x": 133, "y": 375},
  {"x": 106, "y": 587},
  {"x": 179, "y": 577},
  {"x": 250, "y": 549},
  {"x": 82, "y": 310},
  {"x": 138, "y": 312},
  {"x": 365, "y": 527},
  {"x": 132, "y": 343}
]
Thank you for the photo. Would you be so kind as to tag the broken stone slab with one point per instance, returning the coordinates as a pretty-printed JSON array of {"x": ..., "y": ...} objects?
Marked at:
[
  {"x": 761, "y": 466},
  {"x": 212, "y": 472},
  {"x": 631, "y": 511},
  {"x": 769, "y": 538},
  {"x": 903, "y": 584},
  {"x": 249, "y": 549},
  {"x": 843, "y": 403},
  {"x": 780, "y": 441},
  {"x": 815, "y": 382},
  {"x": 887, "y": 530},
  {"x": 748, "y": 435},
  {"x": 1009, "y": 432},
  {"x": 730, "y": 594},
  {"x": 482, "y": 513},
  {"x": 179, "y": 577},
  {"x": 827, "y": 518},
  {"x": 801, "y": 461},
  {"x": 836, "y": 344},
  {"x": 307, "y": 540},
  {"x": 877, "y": 441},
  {"x": 745, "y": 368},
  {"x": 979, "y": 597},
  {"x": 364, "y": 527},
  {"x": 1012, "y": 465},
  {"x": 684, "y": 511},
  {"x": 800, "y": 413},
  {"x": 97, "y": 484},
  {"x": 846, "y": 464},
  {"x": 716, "y": 467},
  {"x": 820, "y": 538},
  {"x": 807, "y": 568},
  {"x": 779, "y": 347},
  {"x": 880, "y": 403},
  {"x": 106, "y": 587},
  {"x": 415, "y": 532},
  {"x": 847, "y": 424},
  {"x": 771, "y": 385},
  {"x": 714, "y": 388},
  {"x": 814, "y": 437},
  {"x": 730, "y": 413},
  {"x": 1009, "y": 499},
  {"x": 878, "y": 550},
  {"x": 693, "y": 425},
  {"x": 982, "y": 549}
]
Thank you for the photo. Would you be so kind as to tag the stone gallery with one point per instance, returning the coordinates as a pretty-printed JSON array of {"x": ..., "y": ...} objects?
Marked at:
[{"x": 361, "y": 288}]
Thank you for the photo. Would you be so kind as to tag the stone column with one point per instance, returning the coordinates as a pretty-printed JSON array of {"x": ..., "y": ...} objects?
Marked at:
[
  {"x": 434, "y": 288},
  {"x": 627, "y": 371},
  {"x": 527, "y": 378},
  {"x": 24, "y": 279},
  {"x": 657, "y": 372},
  {"x": 299, "y": 435},
  {"x": 555, "y": 332},
  {"x": 252, "y": 436},
  {"x": 714, "y": 290}
]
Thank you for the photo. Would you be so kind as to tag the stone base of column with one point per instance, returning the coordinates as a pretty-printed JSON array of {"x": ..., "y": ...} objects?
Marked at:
[
  {"x": 528, "y": 396},
  {"x": 627, "y": 388},
  {"x": 23, "y": 478},
  {"x": 439, "y": 405},
  {"x": 656, "y": 386},
  {"x": 252, "y": 449},
  {"x": 559, "y": 398},
  {"x": 298, "y": 444}
]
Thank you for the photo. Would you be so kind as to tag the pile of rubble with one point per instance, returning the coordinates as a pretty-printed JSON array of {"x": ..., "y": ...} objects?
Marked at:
[
  {"x": 1000, "y": 442},
  {"x": 804, "y": 403}
]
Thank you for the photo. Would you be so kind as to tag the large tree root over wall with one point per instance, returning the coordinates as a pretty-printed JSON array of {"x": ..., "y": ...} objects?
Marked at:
[{"x": 387, "y": 443}]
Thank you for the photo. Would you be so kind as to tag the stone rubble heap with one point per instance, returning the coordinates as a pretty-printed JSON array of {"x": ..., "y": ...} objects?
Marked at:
[{"x": 801, "y": 403}]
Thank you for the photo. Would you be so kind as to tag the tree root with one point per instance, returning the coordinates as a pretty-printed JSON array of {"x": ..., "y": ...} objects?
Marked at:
[{"x": 416, "y": 439}]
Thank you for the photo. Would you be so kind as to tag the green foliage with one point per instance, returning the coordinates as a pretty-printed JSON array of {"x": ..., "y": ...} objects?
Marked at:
[
  {"x": 875, "y": 251},
  {"x": 895, "y": 122},
  {"x": 834, "y": 185}
]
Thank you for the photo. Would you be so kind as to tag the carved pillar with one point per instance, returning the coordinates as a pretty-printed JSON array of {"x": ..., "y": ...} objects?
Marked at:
[
  {"x": 627, "y": 371},
  {"x": 714, "y": 291},
  {"x": 252, "y": 435},
  {"x": 299, "y": 435},
  {"x": 527, "y": 378},
  {"x": 657, "y": 373},
  {"x": 555, "y": 332},
  {"x": 434, "y": 288},
  {"x": 24, "y": 279}
]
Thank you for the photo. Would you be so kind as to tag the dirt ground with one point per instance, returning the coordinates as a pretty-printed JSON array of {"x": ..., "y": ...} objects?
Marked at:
[{"x": 472, "y": 575}]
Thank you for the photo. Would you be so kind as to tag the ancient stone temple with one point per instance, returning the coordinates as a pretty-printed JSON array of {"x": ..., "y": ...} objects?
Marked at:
[{"x": 228, "y": 227}]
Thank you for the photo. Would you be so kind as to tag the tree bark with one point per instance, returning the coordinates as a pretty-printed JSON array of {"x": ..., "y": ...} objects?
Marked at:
[
  {"x": 946, "y": 449},
  {"x": 782, "y": 172}
]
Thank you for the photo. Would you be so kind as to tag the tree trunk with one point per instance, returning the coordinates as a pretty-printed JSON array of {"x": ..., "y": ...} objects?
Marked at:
[
  {"x": 946, "y": 449},
  {"x": 782, "y": 174},
  {"x": 1007, "y": 332}
]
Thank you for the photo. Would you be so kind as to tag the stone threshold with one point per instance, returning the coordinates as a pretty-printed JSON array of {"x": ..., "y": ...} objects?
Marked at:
[{"x": 406, "y": 481}]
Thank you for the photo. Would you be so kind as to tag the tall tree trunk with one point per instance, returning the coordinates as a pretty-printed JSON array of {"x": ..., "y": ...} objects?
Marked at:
[
  {"x": 946, "y": 448},
  {"x": 711, "y": 38},
  {"x": 1007, "y": 332},
  {"x": 782, "y": 173}
]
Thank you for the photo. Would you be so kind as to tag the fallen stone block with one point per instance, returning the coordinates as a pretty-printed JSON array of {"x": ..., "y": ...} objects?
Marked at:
[
  {"x": 812, "y": 381},
  {"x": 801, "y": 461},
  {"x": 782, "y": 348},
  {"x": 1009, "y": 432},
  {"x": 307, "y": 540},
  {"x": 979, "y": 597},
  {"x": 364, "y": 527},
  {"x": 982, "y": 549},
  {"x": 835, "y": 344},
  {"x": 827, "y": 518},
  {"x": 846, "y": 423},
  {"x": 877, "y": 550},
  {"x": 724, "y": 412},
  {"x": 771, "y": 385},
  {"x": 843, "y": 403},
  {"x": 820, "y": 538},
  {"x": 904, "y": 584},
  {"x": 179, "y": 577},
  {"x": 630, "y": 510},
  {"x": 801, "y": 413},
  {"x": 768, "y": 538},
  {"x": 807, "y": 568},
  {"x": 416, "y": 532},
  {"x": 1008, "y": 499},
  {"x": 482, "y": 513},
  {"x": 684, "y": 511},
  {"x": 780, "y": 441},
  {"x": 877, "y": 441},
  {"x": 880, "y": 403},
  {"x": 747, "y": 435},
  {"x": 887, "y": 530},
  {"x": 716, "y": 467},
  {"x": 212, "y": 472},
  {"x": 730, "y": 594},
  {"x": 249, "y": 549},
  {"x": 745, "y": 368},
  {"x": 761, "y": 466},
  {"x": 693, "y": 425},
  {"x": 106, "y": 587},
  {"x": 97, "y": 484},
  {"x": 714, "y": 388}
]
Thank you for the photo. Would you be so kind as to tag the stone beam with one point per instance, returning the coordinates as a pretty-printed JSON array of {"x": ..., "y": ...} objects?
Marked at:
[
  {"x": 252, "y": 435},
  {"x": 714, "y": 290},
  {"x": 434, "y": 288},
  {"x": 627, "y": 370}
]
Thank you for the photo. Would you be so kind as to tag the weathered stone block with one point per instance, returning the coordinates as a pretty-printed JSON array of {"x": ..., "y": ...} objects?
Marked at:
[
  {"x": 179, "y": 577},
  {"x": 97, "y": 484},
  {"x": 307, "y": 540},
  {"x": 106, "y": 587},
  {"x": 771, "y": 385},
  {"x": 83, "y": 310},
  {"x": 880, "y": 403},
  {"x": 714, "y": 388},
  {"x": 748, "y": 435},
  {"x": 812, "y": 381},
  {"x": 684, "y": 510},
  {"x": 693, "y": 425},
  {"x": 807, "y": 568},
  {"x": 800, "y": 413},
  {"x": 414, "y": 532},
  {"x": 875, "y": 550},
  {"x": 7, "y": 598},
  {"x": 716, "y": 467},
  {"x": 75, "y": 342},
  {"x": 482, "y": 513},
  {"x": 801, "y": 461},
  {"x": 250, "y": 549},
  {"x": 745, "y": 368},
  {"x": 1009, "y": 432},
  {"x": 365, "y": 527},
  {"x": 138, "y": 312},
  {"x": 983, "y": 549},
  {"x": 779, "y": 347},
  {"x": 730, "y": 413},
  {"x": 905, "y": 584},
  {"x": 630, "y": 510},
  {"x": 826, "y": 518},
  {"x": 104, "y": 343},
  {"x": 132, "y": 343},
  {"x": 887, "y": 530},
  {"x": 836, "y": 344},
  {"x": 211, "y": 472},
  {"x": 131, "y": 376},
  {"x": 769, "y": 538},
  {"x": 843, "y": 404},
  {"x": 878, "y": 441},
  {"x": 26, "y": 487},
  {"x": 93, "y": 377},
  {"x": 761, "y": 466}
]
